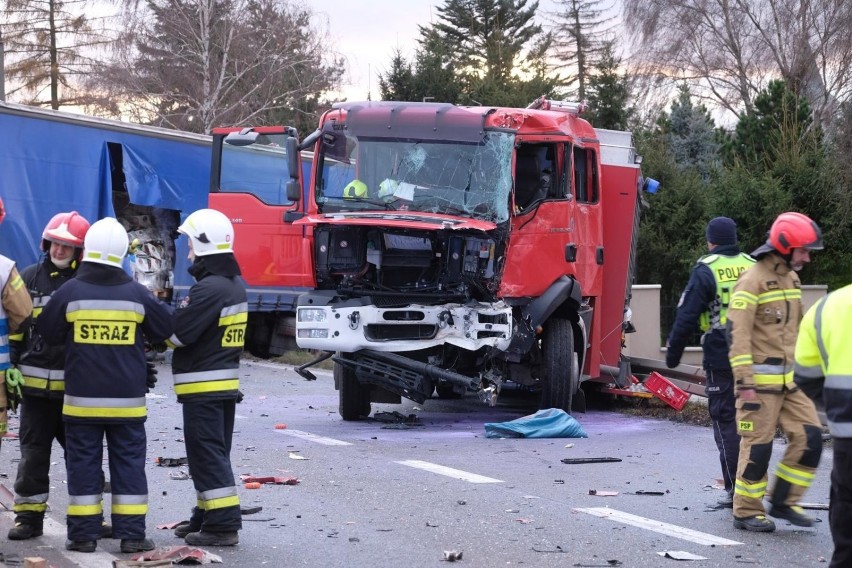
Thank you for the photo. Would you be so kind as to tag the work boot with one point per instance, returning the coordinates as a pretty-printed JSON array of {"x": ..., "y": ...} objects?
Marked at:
[
  {"x": 793, "y": 514},
  {"x": 81, "y": 545},
  {"x": 206, "y": 538},
  {"x": 726, "y": 502},
  {"x": 136, "y": 545},
  {"x": 24, "y": 531},
  {"x": 186, "y": 527},
  {"x": 106, "y": 531},
  {"x": 757, "y": 523}
]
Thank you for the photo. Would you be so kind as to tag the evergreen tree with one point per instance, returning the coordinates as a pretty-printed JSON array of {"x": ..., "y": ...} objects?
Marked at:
[
  {"x": 691, "y": 137},
  {"x": 580, "y": 31},
  {"x": 609, "y": 93},
  {"x": 398, "y": 83}
]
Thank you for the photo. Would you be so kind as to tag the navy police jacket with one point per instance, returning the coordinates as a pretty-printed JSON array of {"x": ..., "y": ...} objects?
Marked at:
[
  {"x": 699, "y": 294},
  {"x": 102, "y": 318}
]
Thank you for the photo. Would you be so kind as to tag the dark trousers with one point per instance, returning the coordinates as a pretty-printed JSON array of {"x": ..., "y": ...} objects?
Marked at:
[
  {"x": 721, "y": 403},
  {"x": 208, "y": 431},
  {"x": 840, "y": 506},
  {"x": 126, "y": 445},
  {"x": 41, "y": 423}
]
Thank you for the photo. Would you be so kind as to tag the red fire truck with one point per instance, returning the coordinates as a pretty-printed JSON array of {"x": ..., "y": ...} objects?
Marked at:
[{"x": 457, "y": 248}]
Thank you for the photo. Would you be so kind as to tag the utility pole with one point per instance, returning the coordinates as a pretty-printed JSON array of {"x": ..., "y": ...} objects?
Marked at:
[{"x": 2, "y": 71}]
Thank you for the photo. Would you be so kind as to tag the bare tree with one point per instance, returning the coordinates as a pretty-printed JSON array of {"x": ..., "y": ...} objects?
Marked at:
[
  {"x": 49, "y": 45},
  {"x": 729, "y": 50},
  {"x": 197, "y": 64},
  {"x": 581, "y": 29}
]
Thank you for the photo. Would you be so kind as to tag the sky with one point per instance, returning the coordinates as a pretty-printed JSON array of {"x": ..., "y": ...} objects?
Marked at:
[{"x": 366, "y": 33}]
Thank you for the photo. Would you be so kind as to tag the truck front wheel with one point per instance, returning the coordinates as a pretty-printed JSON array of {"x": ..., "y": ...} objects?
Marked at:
[
  {"x": 559, "y": 378},
  {"x": 354, "y": 398}
]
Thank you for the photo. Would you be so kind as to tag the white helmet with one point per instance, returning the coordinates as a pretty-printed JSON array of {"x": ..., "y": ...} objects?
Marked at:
[
  {"x": 105, "y": 243},
  {"x": 210, "y": 231}
]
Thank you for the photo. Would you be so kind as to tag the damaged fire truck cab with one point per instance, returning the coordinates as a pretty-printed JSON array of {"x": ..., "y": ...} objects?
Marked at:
[{"x": 457, "y": 248}]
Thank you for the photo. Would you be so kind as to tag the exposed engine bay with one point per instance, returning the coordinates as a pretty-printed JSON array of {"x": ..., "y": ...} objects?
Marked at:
[{"x": 427, "y": 267}]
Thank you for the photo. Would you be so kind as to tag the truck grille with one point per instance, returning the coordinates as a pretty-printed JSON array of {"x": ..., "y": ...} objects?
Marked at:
[{"x": 382, "y": 332}]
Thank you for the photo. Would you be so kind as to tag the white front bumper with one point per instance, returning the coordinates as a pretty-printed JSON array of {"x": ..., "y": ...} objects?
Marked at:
[{"x": 414, "y": 327}]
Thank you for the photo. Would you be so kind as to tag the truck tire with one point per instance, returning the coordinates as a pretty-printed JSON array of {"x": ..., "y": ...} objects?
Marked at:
[
  {"x": 354, "y": 398},
  {"x": 559, "y": 379}
]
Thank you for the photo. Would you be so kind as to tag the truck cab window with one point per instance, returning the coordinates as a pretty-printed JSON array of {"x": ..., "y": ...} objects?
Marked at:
[
  {"x": 259, "y": 169},
  {"x": 585, "y": 175},
  {"x": 535, "y": 165}
]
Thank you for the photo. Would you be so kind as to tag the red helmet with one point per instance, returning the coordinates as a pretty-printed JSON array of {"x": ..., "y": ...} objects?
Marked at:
[
  {"x": 794, "y": 230},
  {"x": 66, "y": 229}
]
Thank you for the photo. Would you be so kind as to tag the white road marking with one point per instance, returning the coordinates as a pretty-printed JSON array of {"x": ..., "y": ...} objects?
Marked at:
[
  {"x": 313, "y": 438},
  {"x": 449, "y": 472},
  {"x": 659, "y": 527},
  {"x": 55, "y": 533}
]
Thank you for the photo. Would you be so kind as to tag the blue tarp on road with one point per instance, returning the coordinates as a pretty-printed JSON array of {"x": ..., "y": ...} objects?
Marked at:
[{"x": 548, "y": 423}]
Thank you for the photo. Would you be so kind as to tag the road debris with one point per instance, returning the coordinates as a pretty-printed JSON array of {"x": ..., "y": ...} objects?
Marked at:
[
  {"x": 642, "y": 492},
  {"x": 452, "y": 555},
  {"x": 295, "y": 456},
  {"x": 589, "y": 460},
  {"x": 179, "y": 475},
  {"x": 547, "y": 423},
  {"x": 395, "y": 418},
  {"x": 274, "y": 480},
  {"x": 250, "y": 510},
  {"x": 680, "y": 555},
  {"x": 603, "y": 493},
  {"x": 171, "y": 462},
  {"x": 280, "y": 426},
  {"x": 179, "y": 555}
]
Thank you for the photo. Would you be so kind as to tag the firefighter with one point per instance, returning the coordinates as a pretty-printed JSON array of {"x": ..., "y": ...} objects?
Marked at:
[
  {"x": 763, "y": 322},
  {"x": 100, "y": 317},
  {"x": 42, "y": 368},
  {"x": 823, "y": 370},
  {"x": 15, "y": 307},
  {"x": 705, "y": 300},
  {"x": 209, "y": 335}
]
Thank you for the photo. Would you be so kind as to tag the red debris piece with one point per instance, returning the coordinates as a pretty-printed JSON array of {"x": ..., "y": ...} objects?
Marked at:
[
  {"x": 177, "y": 554},
  {"x": 271, "y": 479},
  {"x": 170, "y": 525}
]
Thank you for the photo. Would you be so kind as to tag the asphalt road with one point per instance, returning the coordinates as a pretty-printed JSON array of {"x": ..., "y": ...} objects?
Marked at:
[{"x": 378, "y": 494}]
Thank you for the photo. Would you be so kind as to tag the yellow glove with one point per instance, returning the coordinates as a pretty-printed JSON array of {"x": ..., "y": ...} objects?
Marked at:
[{"x": 14, "y": 380}]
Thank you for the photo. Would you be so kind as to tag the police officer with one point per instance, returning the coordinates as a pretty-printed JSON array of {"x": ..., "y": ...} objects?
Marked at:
[
  {"x": 763, "y": 320},
  {"x": 705, "y": 300},
  {"x": 42, "y": 368},
  {"x": 824, "y": 372},
  {"x": 209, "y": 335},
  {"x": 15, "y": 307},
  {"x": 100, "y": 317}
]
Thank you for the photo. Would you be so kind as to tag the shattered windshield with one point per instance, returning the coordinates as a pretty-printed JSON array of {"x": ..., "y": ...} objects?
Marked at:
[{"x": 435, "y": 176}]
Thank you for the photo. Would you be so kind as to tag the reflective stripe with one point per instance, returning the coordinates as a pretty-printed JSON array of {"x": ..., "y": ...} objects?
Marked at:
[
  {"x": 744, "y": 296},
  {"x": 201, "y": 376},
  {"x": 840, "y": 429},
  {"x": 30, "y": 507},
  {"x": 85, "y": 505},
  {"x": 175, "y": 341},
  {"x": 42, "y": 373},
  {"x": 86, "y": 407},
  {"x": 794, "y": 476},
  {"x": 814, "y": 372},
  {"x": 740, "y": 360},
  {"x": 43, "y": 384},
  {"x": 235, "y": 314},
  {"x": 823, "y": 352},
  {"x": 753, "y": 490},
  {"x": 129, "y": 504},
  {"x": 121, "y": 310},
  {"x": 16, "y": 282},
  {"x": 209, "y": 386},
  {"x": 219, "y": 498},
  {"x": 838, "y": 382},
  {"x": 773, "y": 379},
  {"x": 40, "y": 498},
  {"x": 40, "y": 302},
  {"x": 778, "y": 295},
  {"x": 772, "y": 369}
]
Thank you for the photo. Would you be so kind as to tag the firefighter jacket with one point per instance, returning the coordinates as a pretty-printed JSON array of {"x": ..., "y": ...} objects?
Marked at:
[
  {"x": 705, "y": 301},
  {"x": 41, "y": 365},
  {"x": 15, "y": 307},
  {"x": 100, "y": 317},
  {"x": 763, "y": 320},
  {"x": 824, "y": 360},
  {"x": 210, "y": 329}
]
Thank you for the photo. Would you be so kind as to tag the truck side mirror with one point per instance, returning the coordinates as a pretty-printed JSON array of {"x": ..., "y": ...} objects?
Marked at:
[
  {"x": 294, "y": 190},
  {"x": 291, "y": 146}
]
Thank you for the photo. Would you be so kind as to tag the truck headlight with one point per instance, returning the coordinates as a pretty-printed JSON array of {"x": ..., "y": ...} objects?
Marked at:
[
  {"x": 313, "y": 315},
  {"x": 313, "y": 333}
]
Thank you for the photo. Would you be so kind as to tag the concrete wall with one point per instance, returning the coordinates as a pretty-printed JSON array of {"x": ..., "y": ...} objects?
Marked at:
[{"x": 647, "y": 342}]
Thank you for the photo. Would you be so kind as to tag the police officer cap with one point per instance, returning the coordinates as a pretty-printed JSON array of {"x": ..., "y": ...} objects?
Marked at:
[{"x": 722, "y": 231}]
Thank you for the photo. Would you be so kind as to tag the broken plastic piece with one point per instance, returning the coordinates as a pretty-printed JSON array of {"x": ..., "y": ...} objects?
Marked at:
[
  {"x": 253, "y": 485},
  {"x": 295, "y": 456},
  {"x": 280, "y": 426},
  {"x": 603, "y": 493},
  {"x": 452, "y": 555},
  {"x": 680, "y": 555},
  {"x": 250, "y": 510},
  {"x": 171, "y": 462},
  {"x": 589, "y": 460},
  {"x": 275, "y": 480}
]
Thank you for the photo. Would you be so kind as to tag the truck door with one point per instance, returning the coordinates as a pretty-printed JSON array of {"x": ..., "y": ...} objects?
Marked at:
[{"x": 249, "y": 181}]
